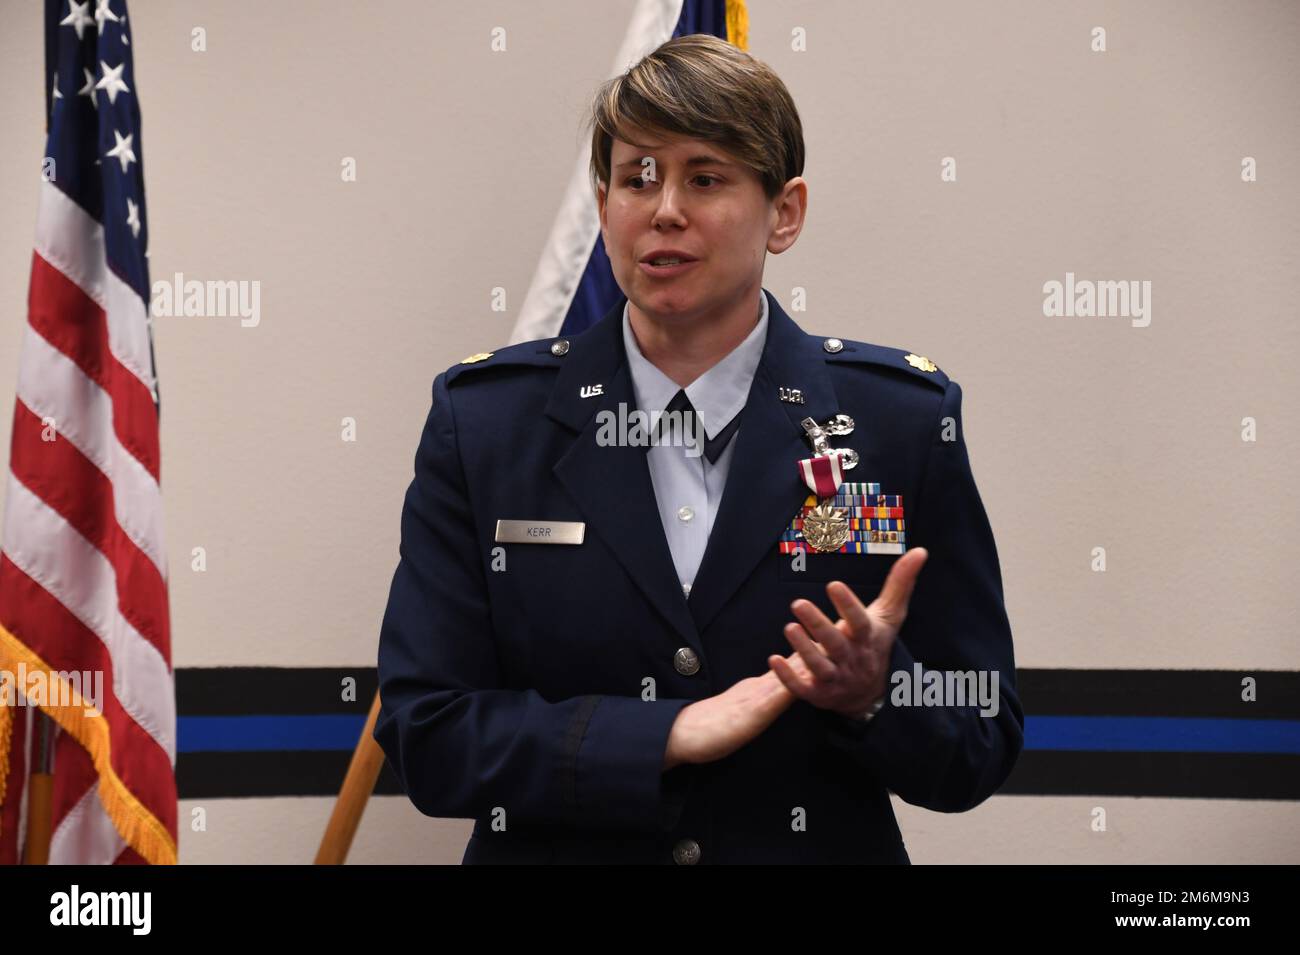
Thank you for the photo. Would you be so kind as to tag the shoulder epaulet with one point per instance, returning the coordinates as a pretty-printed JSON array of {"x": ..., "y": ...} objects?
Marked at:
[
  {"x": 844, "y": 350},
  {"x": 545, "y": 352}
]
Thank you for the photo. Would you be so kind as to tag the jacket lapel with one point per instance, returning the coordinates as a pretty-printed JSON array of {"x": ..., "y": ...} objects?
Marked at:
[
  {"x": 611, "y": 485},
  {"x": 764, "y": 490}
]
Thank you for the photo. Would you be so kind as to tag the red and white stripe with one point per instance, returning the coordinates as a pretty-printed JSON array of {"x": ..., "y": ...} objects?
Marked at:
[
  {"x": 83, "y": 578},
  {"x": 822, "y": 474}
]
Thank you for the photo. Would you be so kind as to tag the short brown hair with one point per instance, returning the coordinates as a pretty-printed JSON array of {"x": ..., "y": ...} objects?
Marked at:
[{"x": 702, "y": 87}]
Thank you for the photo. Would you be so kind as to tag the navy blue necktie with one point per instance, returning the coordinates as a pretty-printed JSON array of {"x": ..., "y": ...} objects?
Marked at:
[{"x": 713, "y": 447}]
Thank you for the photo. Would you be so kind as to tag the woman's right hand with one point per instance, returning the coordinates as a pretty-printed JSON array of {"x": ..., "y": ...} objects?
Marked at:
[{"x": 715, "y": 727}]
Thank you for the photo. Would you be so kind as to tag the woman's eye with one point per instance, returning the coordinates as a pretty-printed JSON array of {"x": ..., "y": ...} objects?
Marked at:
[{"x": 642, "y": 179}]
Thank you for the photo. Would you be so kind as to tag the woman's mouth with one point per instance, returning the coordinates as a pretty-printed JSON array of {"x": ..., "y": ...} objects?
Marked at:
[{"x": 667, "y": 266}]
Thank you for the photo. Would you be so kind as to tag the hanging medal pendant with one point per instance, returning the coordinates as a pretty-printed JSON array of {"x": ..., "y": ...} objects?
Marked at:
[{"x": 826, "y": 527}]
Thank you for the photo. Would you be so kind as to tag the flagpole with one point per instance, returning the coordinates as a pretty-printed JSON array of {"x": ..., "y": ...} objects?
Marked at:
[
  {"x": 40, "y": 782},
  {"x": 40, "y": 793},
  {"x": 363, "y": 771}
]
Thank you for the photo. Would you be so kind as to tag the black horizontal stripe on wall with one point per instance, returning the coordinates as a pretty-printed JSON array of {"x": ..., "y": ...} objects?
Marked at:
[
  {"x": 262, "y": 691},
  {"x": 232, "y": 691},
  {"x": 1175, "y": 775},
  {"x": 253, "y": 697},
  {"x": 1172, "y": 775},
  {"x": 248, "y": 775},
  {"x": 1203, "y": 693}
]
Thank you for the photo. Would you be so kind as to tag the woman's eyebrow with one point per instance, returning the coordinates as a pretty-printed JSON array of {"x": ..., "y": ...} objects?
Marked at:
[{"x": 693, "y": 161}]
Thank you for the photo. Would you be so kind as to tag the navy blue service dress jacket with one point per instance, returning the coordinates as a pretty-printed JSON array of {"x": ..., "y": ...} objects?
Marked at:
[{"x": 532, "y": 687}]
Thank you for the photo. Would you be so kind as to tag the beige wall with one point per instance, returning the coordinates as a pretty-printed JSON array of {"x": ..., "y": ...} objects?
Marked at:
[{"x": 1084, "y": 432}]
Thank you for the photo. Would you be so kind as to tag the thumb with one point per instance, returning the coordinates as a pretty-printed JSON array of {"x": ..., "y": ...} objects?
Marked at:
[{"x": 896, "y": 594}]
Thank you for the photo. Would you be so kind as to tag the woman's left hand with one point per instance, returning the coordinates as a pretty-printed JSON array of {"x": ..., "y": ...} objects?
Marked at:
[{"x": 841, "y": 666}]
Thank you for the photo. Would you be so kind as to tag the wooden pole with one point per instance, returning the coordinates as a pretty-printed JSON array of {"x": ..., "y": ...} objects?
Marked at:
[
  {"x": 40, "y": 793},
  {"x": 363, "y": 771}
]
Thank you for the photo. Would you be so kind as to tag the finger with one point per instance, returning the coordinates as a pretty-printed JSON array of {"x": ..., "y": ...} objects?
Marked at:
[
  {"x": 897, "y": 592},
  {"x": 813, "y": 656},
  {"x": 797, "y": 664},
  {"x": 786, "y": 674},
  {"x": 819, "y": 627},
  {"x": 769, "y": 686},
  {"x": 851, "y": 609}
]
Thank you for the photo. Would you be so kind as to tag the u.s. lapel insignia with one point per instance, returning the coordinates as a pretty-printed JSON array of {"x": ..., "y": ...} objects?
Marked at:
[
  {"x": 921, "y": 362},
  {"x": 872, "y": 522}
]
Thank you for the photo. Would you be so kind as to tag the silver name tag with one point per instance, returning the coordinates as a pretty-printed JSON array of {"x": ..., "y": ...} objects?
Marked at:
[{"x": 540, "y": 532}]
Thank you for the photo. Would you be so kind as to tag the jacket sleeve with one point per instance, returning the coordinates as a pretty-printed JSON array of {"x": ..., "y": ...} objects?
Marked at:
[
  {"x": 462, "y": 745},
  {"x": 945, "y": 758}
]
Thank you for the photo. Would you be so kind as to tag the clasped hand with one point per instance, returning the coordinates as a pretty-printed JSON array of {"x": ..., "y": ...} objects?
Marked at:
[
  {"x": 843, "y": 664},
  {"x": 838, "y": 666}
]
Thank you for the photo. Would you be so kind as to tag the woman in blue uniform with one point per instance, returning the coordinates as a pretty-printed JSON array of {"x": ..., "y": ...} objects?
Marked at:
[{"x": 695, "y": 586}]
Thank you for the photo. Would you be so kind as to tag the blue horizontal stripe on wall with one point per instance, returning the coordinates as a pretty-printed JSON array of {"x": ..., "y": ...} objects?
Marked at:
[
  {"x": 213, "y": 734},
  {"x": 246, "y": 734},
  {"x": 1167, "y": 734}
]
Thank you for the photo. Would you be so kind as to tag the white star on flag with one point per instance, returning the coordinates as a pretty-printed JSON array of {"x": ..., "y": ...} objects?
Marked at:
[
  {"x": 103, "y": 14},
  {"x": 111, "y": 82},
  {"x": 133, "y": 217},
  {"x": 78, "y": 18},
  {"x": 122, "y": 151},
  {"x": 89, "y": 88}
]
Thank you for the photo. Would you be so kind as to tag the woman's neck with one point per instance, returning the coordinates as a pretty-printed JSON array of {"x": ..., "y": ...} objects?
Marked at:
[{"x": 685, "y": 347}]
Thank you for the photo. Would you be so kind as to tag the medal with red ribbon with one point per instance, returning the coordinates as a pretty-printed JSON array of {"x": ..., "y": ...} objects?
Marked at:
[
  {"x": 822, "y": 474},
  {"x": 825, "y": 527}
]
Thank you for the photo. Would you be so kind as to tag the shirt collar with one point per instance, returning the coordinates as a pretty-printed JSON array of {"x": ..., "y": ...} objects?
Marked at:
[{"x": 718, "y": 395}]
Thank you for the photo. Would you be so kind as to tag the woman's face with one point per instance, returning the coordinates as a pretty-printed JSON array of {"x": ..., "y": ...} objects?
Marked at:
[{"x": 690, "y": 196}]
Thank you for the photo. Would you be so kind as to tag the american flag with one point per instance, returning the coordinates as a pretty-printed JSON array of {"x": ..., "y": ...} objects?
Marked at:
[{"x": 83, "y": 578}]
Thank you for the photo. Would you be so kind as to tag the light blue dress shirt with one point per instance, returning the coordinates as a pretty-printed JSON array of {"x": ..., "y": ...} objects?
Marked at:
[{"x": 688, "y": 488}]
